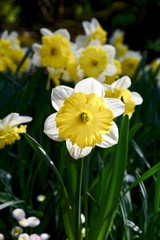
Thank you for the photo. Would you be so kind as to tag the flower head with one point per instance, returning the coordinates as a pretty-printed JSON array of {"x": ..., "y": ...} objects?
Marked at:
[
  {"x": 130, "y": 62},
  {"x": 97, "y": 60},
  {"x": 23, "y": 236},
  {"x": 55, "y": 49},
  {"x": 16, "y": 231},
  {"x": 1, "y": 236},
  {"x": 33, "y": 221},
  {"x": 93, "y": 31},
  {"x": 84, "y": 117},
  {"x": 119, "y": 89},
  {"x": 18, "y": 213},
  {"x": 9, "y": 130}
]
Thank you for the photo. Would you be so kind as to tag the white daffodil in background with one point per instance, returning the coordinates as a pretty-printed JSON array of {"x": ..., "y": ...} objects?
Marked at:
[
  {"x": 93, "y": 31},
  {"x": 96, "y": 60},
  {"x": 55, "y": 49},
  {"x": 119, "y": 89},
  {"x": 84, "y": 118},
  {"x": 9, "y": 130}
]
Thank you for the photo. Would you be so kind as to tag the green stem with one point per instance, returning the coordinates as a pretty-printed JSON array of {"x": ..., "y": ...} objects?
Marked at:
[
  {"x": 78, "y": 199},
  {"x": 86, "y": 178}
]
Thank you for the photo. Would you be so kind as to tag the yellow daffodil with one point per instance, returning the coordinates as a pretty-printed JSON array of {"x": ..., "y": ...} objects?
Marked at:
[
  {"x": 54, "y": 51},
  {"x": 9, "y": 130},
  {"x": 130, "y": 62},
  {"x": 12, "y": 37},
  {"x": 93, "y": 31},
  {"x": 97, "y": 61},
  {"x": 117, "y": 40},
  {"x": 17, "y": 55},
  {"x": 5, "y": 54},
  {"x": 84, "y": 118},
  {"x": 119, "y": 89}
]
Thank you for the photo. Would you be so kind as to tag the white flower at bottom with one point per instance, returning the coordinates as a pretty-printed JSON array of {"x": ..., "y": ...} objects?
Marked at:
[
  {"x": 1, "y": 236},
  {"x": 35, "y": 237},
  {"x": 84, "y": 118},
  {"x": 23, "y": 236},
  {"x": 18, "y": 213},
  {"x": 33, "y": 221},
  {"x": 45, "y": 236},
  {"x": 16, "y": 231}
]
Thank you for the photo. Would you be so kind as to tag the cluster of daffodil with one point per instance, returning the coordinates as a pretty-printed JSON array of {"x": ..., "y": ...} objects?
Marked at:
[
  {"x": 11, "y": 53},
  {"x": 17, "y": 232},
  {"x": 92, "y": 54}
]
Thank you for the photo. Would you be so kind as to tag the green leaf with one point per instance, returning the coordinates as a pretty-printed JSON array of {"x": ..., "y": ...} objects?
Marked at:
[
  {"x": 8, "y": 204},
  {"x": 68, "y": 221},
  {"x": 144, "y": 177},
  {"x": 110, "y": 200}
]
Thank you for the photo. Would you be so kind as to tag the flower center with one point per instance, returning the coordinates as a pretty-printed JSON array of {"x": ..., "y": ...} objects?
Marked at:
[
  {"x": 53, "y": 51},
  {"x": 85, "y": 116}
]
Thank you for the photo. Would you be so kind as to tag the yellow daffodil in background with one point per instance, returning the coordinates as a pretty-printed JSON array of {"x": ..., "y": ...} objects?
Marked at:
[
  {"x": 5, "y": 54},
  {"x": 9, "y": 130},
  {"x": 130, "y": 62},
  {"x": 17, "y": 55},
  {"x": 93, "y": 31},
  {"x": 96, "y": 60},
  {"x": 154, "y": 66},
  {"x": 55, "y": 49},
  {"x": 12, "y": 37},
  {"x": 84, "y": 118},
  {"x": 119, "y": 89},
  {"x": 117, "y": 40},
  {"x": 12, "y": 53}
]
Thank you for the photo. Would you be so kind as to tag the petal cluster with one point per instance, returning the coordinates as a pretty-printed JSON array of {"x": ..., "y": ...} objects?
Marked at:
[
  {"x": 84, "y": 118},
  {"x": 9, "y": 130}
]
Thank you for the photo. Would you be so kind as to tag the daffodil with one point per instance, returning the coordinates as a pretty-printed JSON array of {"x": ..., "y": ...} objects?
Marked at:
[
  {"x": 119, "y": 89},
  {"x": 93, "y": 31},
  {"x": 97, "y": 61},
  {"x": 12, "y": 37},
  {"x": 117, "y": 40},
  {"x": 17, "y": 55},
  {"x": 84, "y": 118},
  {"x": 5, "y": 54},
  {"x": 55, "y": 49},
  {"x": 130, "y": 62},
  {"x": 9, "y": 130}
]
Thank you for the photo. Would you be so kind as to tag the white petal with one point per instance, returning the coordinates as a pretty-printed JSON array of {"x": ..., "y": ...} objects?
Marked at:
[
  {"x": 86, "y": 26},
  {"x": 59, "y": 94},
  {"x": 81, "y": 41},
  {"x": 90, "y": 85},
  {"x": 14, "y": 119},
  {"x": 115, "y": 105},
  {"x": 122, "y": 83},
  {"x": 50, "y": 128},
  {"x": 111, "y": 51},
  {"x": 111, "y": 138},
  {"x": 63, "y": 32},
  {"x": 36, "y": 60},
  {"x": 36, "y": 47},
  {"x": 46, "y": 32},
  {"x": 137, "y": 98},
  {"x": 77, "y": 152},
  {"x": 111, "y": 69}
]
